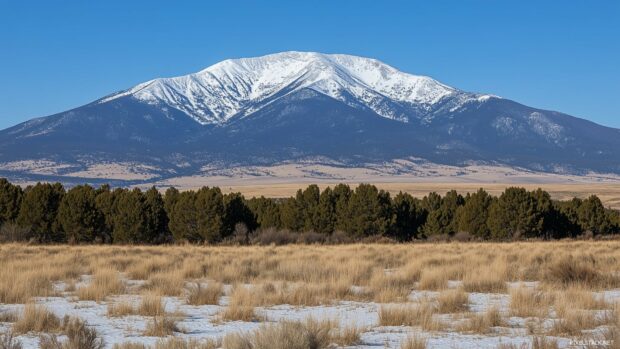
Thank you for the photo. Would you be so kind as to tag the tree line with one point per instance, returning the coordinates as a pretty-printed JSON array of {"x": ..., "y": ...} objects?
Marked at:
[{"x": 48, "y": 213}]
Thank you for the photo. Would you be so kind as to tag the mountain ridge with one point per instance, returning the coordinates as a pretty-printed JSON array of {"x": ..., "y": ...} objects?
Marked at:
[{"x": 296, "y": 106}]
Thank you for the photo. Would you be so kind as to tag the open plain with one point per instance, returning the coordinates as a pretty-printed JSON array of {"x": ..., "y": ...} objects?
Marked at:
[{"x": 421, "y": 295}]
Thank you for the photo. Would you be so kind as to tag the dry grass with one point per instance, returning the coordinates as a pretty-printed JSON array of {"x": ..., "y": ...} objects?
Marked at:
[
  {"x": 151, "y": 305},
  {"x": 453, "y": 301},
  {"x": 569, "y": 271},
  {"x": 36, "y": 318},
  {"x": 200, "y": 295},
  {"x": 310, "y": 334},
  {"x": 574, "y": 321},
  {"x": 482, "y": 323},
  {"x": 106, "y": 282},
  {"x": 79, "y": 336},
  {"x": 121, "y": 309},
  {"x": 528, "y": 302},
  {"x": 161, "y": 326},
  {"x": 414, "y": 342},
  {"x": 347, "y": 336},
  {"x": 433, "y": 279},
  {"x": 488, "y": 280},
  {"x": 410, "y": 315}
]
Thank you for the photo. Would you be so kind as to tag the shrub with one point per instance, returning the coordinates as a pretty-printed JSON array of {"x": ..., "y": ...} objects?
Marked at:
[
  {"x": 161, "y": 326},
  {"x": 274, "y": 236},
  {"x": 199, "y": 295},
  {"x": 311, "y": 334},
  {"x": 413, "y": 342},
  {"x": 11, "y": 232},
  {"x": 453, "y": 301},
  {"x": 36, "y": 318},
  {"x": 79, "y": 336},
  {"x": 151, "y": 305}
]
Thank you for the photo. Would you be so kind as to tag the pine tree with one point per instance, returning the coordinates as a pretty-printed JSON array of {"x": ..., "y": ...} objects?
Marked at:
[
  {"x": 291, "y": 213},
  {"x": 237, "y": 211},
  {"x": 518, "y": 213},
  {"x": 10, "y": 201},
  {"x": 308, "y": 203},
  {"x": 325, "y": 215},
  {"x": 408, "y": 217},
  {"x": 184, "y": 218},
  {"x": 130, "y": 221},
  {"x": 442, "y": 221},
  {"x": 156, "y": 218},
  {"x": 342, "y": 195},
  {"x": 210, "y": 211},
  {"x": 79, "y": 216},
  {"x": 369, "y": 212},
  {"x": 38, "y": 212},
  {"x": 593, "y": 216},
  {"x": 266, "y": 211},
  {"x": 105, "y": 204},
  {"x": 170, "y": 199},
  {"x": 473, "y": 215}
]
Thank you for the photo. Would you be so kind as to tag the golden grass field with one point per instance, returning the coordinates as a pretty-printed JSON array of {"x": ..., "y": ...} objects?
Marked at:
[
  {"x": 495, "y": 295},
  {"x": 608, "y": 192}
]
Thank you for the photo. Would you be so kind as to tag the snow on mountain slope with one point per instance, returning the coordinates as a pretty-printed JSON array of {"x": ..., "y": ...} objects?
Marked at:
[{"x": 242, "y": 86}]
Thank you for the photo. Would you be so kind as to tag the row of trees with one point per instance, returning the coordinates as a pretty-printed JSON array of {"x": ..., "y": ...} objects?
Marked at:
[{"x": 83, "y": 214}]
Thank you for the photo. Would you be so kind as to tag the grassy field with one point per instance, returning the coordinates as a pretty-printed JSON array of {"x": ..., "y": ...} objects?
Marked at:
[
  {"x": 442, "y": 295},
  {"x": 609, "y": 193}
]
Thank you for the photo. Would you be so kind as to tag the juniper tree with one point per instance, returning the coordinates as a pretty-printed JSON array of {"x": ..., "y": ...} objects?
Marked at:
[
  {"x": 442, "y": 221},
  {"x": 10, "y": 201},
  {"x": 472, "y": 216},
  {"x": 79, "y": 216},
  {"x": 266, "y": 211},
  {"x": 408, "y": 217},
  {"x": 38, "y": 211}
]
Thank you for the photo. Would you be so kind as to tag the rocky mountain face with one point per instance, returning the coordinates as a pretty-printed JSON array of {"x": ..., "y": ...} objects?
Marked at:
[{"x": 298, "y": 106}]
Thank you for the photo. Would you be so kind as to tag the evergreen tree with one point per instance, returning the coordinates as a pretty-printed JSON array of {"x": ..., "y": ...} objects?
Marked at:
[
  {"x": 184, "y": 218},
  {"x": 369, "y": 212},
  {"x": 472, "y": 216},
  {"x": 518, "y": 213},
  {"x": 291, "y": 213},
  {"x": 38, "y": 211},
  {"x": 156, "y": 218},
  {"x": 130, "y": 218},
  {"x": 408, "y": 217},
  {"x": 237, "y": 211},
  {"x": 342, "y": 195},
  {"x": 210, "y": 210},
  {"x": 325, "y": 215},
  {"x": 431, "y": 202},
  {"x": 105, "y": 204},
  {"x": 79, "y": 216},
  {"x": 10, "y": 201},
  {"x": 442, "y": 221},
  {"x": 308, "y": 204},
  {"x": 593, "y": 216},
  {"x": 170, "y": 199},
  {"x": 266, "y": 211}
]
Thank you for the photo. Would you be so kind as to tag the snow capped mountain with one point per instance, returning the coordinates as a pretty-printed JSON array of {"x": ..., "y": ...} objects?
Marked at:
[
  {"x": 239, "y": 87},
  {"x": 296, "y": 107}
]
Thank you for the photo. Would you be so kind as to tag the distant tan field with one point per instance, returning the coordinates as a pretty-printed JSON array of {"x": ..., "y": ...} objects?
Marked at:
[
  {"x": 442, "y": 295},
  {"x": 609, "y": 193}
]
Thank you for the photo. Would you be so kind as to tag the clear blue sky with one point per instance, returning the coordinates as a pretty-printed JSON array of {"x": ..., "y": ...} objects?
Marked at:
[{"x": 559, "y": 55}]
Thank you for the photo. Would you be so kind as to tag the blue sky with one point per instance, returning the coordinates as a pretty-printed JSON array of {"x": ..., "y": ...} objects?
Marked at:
[{"x": 559, "y": 55}]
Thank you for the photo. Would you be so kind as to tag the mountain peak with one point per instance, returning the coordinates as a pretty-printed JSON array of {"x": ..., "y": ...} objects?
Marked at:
[{"x": 238, "y": 87}]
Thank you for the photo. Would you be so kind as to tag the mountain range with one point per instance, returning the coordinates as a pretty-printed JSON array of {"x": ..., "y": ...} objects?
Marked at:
[{"x": 299, "y": 107}]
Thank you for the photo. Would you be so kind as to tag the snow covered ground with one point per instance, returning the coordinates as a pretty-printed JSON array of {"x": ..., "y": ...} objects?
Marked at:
[{"x": 202, "y": 322}]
